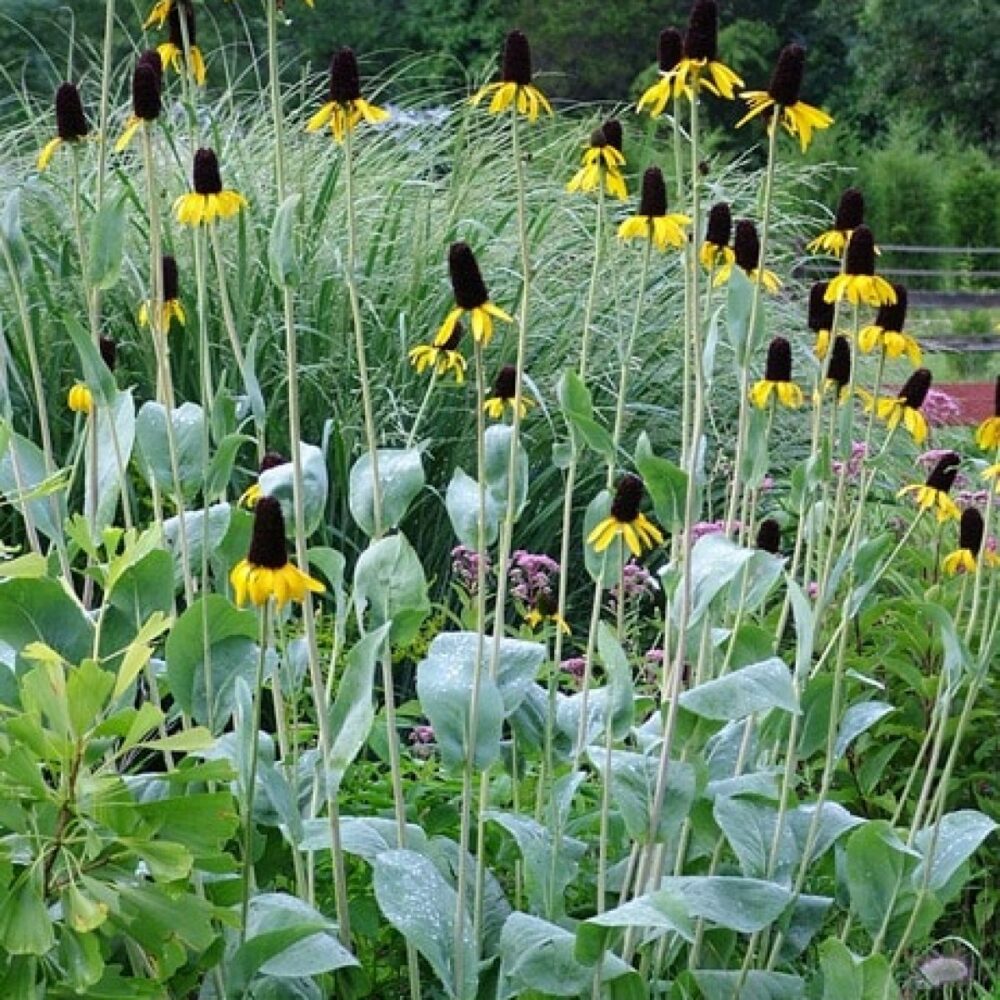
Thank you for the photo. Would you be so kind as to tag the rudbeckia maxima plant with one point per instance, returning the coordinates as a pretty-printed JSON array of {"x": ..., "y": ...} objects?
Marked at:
[
  {"x": 850, "y": 215},
  {"x": 626, "y": 520},
  {"x": 886, "y": 333},
  {"x": 147, "y": 84},
  {"x": 515, "y": 87},
  {"x": 838, "y": 372},
  {"x": 172, "y": 50},
  {"x": 504, "y": 395},
  {"x": 906, "y": 406},
  {"x": 602, "y": 162},
  {"x": 971, "y": 531},
  {"x": 270, "y": 460},
  {"x": 859, "y": 283},
  {"x": 71, "y": 122},
  {"x": 669, "y": 52},
  {"x": 652, "y": 221},
  {"x": 700, "y": 65},
  {"x": 933, "y": 494},
  {"x": 209, "y": 200},
  {"x": 715, "y": 250},
  {"x": 820, "y": 317},
  {"x": 346, "y": 108},
  {"x": 80, "y": 399},
  {"x": 471, "y": 297},
  {"x": 266, "y": 572},
  {"x": 780, "y": 102},
  {"x": 171, "y": 308},
  {"x": 988, "y": 432},
  {"x": 746, "y": 255},
  {"x": 441, "y": 359},
  {"x": 777, "y": 380}
]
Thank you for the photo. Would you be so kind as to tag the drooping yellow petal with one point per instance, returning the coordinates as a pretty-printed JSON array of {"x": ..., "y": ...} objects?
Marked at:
[{"x": 48, "y": 150}]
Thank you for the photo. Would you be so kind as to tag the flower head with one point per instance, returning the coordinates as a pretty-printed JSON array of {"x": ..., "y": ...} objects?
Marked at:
[
  {"x": 933, "y": 494},
  {"x": 209, "y": 200},
  {"x": 345, "y": 108},
  {"x": 971, "y": 530},
  {"x": 147, "y": 84},
  {"x": 850, "y": 215},
  {"x": 626, "y": 520},
  {"x": 266, "y": 572},
  {"x": 718, "y": 234},
  {"x": 820, "y": 318},
  {"x": 906, "y": 406},
  {"x": 988, "y": 432},
  {"x": 700, "y": 66},
  {"x": 171, "y": 307},
  {"x": 504, "y": 395},
  {"x": 253, "y": 493},
  {"x": 172, "y": 51},
  {"x": 71, "y": 122},
  {"x": 546, "y": 609},
  {"x": 602, "y": 162},
  {"x": 887, "y": 331},
  {"x": 470, "y": 297},
  {"x": 515, "y": 88},
  {"x": 769, "y": 536},
  {"x": 652, "y": 222},
  {"x": 109, "y": 352},
  {"x": 443, "y": 359},
  {"x": 530, "y": 574},
  {"x": 838, "y": 371},
  {"x": 777, "y": 378},
  {"x": 465, "y": 565},
  {"x": 798, "y": 118},
  {"x": 859, "y": 283},
  {"x": 669, "y": 53},
  {"x": 746, "y": 255},
  {"x": 80, "y": 399}
]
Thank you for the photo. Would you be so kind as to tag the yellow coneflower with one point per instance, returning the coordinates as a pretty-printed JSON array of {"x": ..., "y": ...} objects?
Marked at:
[
  {"x": 172, "y": 50},
  {"x": 701, "y": 49},
  {"x": 970, "y": 544},
  {"x": 850, "y": 215},
  {"x": 933, "y": 495},
  {"x": 906, "y": 406},
  {"x": 838, "y": 372},
  {"x": 515, "y": 88},
  {"x": 346, "y": 108},
  {"x": 602, "y": 162},
  {"x": 716, "y": 251},
  {"x": 546, "y": 609},
  {"x": 820, "y": 318},
  {"x": 71, "y": 122},
  {"x": 443, "y": 359},
  {"x": 746, "y": 255},
  {"x": 652, "y": 222},
  {"x": 777, "y": 378},
  {"x": 626, "y": 520},
  {"x": 769, "y": 536},
  {"x": 887, "y": 331},
  {"x": 171, "y": 307},
  {"x": 669, "y": 53},
  {"x": 209, "y": 200},
  {"x": 79, "y": 399},
  {"x": 798, "y": 118},
  {"x": 859, "y": 283},
  {"x": 504, "y": 395},
  {"x": 253, "y": 493},
  {"x": 470, "y": 297},
  {"x": 988, "y": 432},
  {"x": 266, "y": 572},
  {"x": 147, "y": 84}
]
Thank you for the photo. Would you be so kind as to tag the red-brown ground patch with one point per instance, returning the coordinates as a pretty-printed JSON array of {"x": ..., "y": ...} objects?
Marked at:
[{"x": 974, "y": 398}]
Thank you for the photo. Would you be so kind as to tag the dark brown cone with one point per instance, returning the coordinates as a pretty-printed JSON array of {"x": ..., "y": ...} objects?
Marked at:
[
  {"x": 943, "y": 474},
  {"x": 850, "y": 210},
  {"x": 628, "y": 499},
  {"x": 146, "y": 81},
  {"x": 546, "y": 604},
  {"x": 613, "y": 136},
  {"x": 786, "y": 83},
  {"x": 893, "y": 317},
  {"x": 207, "y": 179},
  {"x": 996, "y": 399},
  {"x": 746, "y": 245},
  {"x": 653, "y": 201},
  {"x": 779, "y": 361},
  {"x": 971, "y": 530},
  {"x": 109, "y": 352},
  {"x": 151, "y": 58},
  {"x": 451, "y": 344},
  {"x": 174, "y": 25},
  {"x": 345, "y": 84},
  {"x": 820, "y": 311},
  {"x": 915, "y": 388},
  {"x": 669, "y": 49},
  {"x": 719, "y": 230},
  {"x": 466, "y": 278},
  {"x": 505, "y": 384},
  {"x": 769, "y": 536},
  {"x": 171, "y": 285},
  {"x": 861, "y": 252},
  {"x": 267, "y": 544},
  {"x": 840, "y": 362},
  {"x": 271, "y": 460},
  {"x": 702, "y": 38},
  {"x": 71, "y": 122},
  {"x": 516, "y": 66}
]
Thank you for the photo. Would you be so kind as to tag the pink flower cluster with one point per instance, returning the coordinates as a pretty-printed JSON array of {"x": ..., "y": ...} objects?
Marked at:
[
  {"x": 465, "y": 566},
  {"x": 637, "y": 582},
  {"x": 531, "y": 574},
  {"x": 703, "y": 528},
  {"x": 852, "y": 469},
  {"x": 941, "y": 409}
]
